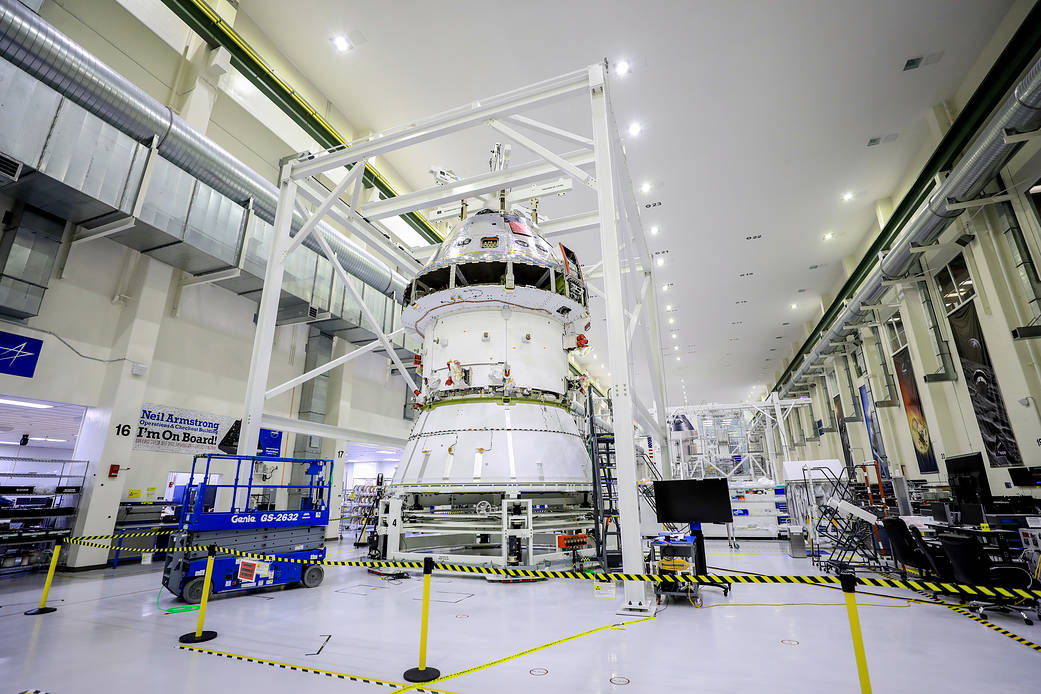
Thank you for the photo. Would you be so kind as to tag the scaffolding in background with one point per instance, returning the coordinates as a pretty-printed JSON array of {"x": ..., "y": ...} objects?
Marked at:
[{"x": 735, "y": 440}]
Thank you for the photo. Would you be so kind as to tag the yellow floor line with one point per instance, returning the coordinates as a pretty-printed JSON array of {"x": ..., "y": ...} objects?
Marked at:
[
  {"x": 314, "y": 671},
  {"x": 506, "y": 659}
]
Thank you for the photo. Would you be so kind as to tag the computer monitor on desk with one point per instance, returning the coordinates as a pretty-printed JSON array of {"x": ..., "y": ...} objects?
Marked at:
[
  {"x": 967, "y": 476},
  {"x": 941, "y": 513},
  {"x": 972, "y": 514}
]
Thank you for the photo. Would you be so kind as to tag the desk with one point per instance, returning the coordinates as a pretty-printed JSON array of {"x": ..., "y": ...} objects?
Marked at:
[{"x": 999, "y": 536}]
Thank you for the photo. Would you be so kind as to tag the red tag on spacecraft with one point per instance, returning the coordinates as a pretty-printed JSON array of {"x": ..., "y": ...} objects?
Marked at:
[{"x": 519, "y": 228}]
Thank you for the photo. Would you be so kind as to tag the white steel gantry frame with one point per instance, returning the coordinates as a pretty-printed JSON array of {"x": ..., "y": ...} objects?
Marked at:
[
  {"x": 616, "y": 217},
  {"x": 773, "y": 411}
]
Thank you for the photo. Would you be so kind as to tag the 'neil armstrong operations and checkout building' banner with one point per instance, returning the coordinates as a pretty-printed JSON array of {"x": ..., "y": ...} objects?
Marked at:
[{"x": 176, "y": 430}]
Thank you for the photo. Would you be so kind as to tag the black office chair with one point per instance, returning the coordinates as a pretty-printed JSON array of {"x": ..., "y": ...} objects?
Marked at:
[
  {"x": 904, "y": 549},
  {"x": 939, "y": 565},
  {"x": 971, "y": 566}
]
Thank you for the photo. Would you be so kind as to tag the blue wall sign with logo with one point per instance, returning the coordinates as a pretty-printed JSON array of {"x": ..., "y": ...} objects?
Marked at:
[
  {"x": 19, "y": 354},
  {"x": 270, "y": 443}
]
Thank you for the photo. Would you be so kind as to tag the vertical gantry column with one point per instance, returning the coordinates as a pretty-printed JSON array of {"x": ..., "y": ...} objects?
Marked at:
[
  {"x": 263, "y": 340},
  {"x": 638, "y": 595}
]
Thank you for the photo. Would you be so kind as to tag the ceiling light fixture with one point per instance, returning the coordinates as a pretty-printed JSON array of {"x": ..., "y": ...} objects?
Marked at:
[
  {"x": 665, "y": 287},
  {"x": 795, "y": 306},
  {"x": 661, "y": 261},
  {"x": 671, "y": 321},
  {"x": 847, "y": 196},
  {"x": 829, "y": 236},
  {"x": 341, "y": 43},
  {"x": 635, "y": 128},
  {"x": 645, "y": 187},
  {"x": 675, "y": 336},
  {"x": 654, "y": 230},
  {"x": 668, "y": 307},
  {"x": 23, "y": 403},
  {"x": 622, "y": 68}
]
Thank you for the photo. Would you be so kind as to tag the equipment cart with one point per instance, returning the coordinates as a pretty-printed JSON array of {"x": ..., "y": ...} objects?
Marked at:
[
  {"x": 283, "y": 520},
  {"x": 672, "y": 553}
]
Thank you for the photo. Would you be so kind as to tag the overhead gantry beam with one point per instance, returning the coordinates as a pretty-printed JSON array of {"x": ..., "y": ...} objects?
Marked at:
[
  {"x": 446, "y": 123},
  {"x": 474, "y": 186}
]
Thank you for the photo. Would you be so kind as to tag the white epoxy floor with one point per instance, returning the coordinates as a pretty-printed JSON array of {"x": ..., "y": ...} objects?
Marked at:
[{"x": 109, "y": 635}]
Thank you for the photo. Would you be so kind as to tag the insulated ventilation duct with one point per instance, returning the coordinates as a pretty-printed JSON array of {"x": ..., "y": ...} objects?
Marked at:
[
  {"x": 28, "y": 249},
  {"x": 1019, "y": 113},
  {"x": 39, "y": 49}
]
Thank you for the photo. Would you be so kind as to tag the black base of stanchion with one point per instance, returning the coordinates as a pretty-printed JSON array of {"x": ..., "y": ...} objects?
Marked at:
[
  {"x": 425, "y": 675},
  {"x": 41, "y": 610},
  {"x": 190, "y": 637}
]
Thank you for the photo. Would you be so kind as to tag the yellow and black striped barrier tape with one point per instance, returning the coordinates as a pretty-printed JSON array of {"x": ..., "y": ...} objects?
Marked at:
[
  {"x": 121, "y": 535},
  {"x": 312, "y": 670},
  {"x": 980, "y": 620},
  {"x": 142, "y": 550},
  {"x": 708, "y": 579},
  {"x": 665, "y": 578}
]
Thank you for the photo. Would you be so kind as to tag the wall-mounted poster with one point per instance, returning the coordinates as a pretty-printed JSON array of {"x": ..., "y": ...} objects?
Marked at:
[
  {"x": 177, "y": 430},
  {"x": 987, "y": 403},
  {"x": 878, "y": 449},
  {"x": 923, "y": 445}
]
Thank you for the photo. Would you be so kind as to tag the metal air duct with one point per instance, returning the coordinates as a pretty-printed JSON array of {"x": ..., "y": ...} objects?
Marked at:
[
  {"x": 1019, "y": 113},
  {"x": 39, "y": 49}
]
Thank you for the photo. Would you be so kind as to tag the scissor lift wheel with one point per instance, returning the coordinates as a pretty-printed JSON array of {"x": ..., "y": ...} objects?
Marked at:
[
  {"x": 312, "y": 576},
  {"x": 192, "y": 592}
]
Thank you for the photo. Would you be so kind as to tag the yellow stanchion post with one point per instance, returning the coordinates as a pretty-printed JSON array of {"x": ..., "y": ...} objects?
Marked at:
[
  {"x": 849, "y": 588},
  {"x": 43, "y": 609},
  {"x": 424, "y": 673},
  {"x": 199, "y": 635}
]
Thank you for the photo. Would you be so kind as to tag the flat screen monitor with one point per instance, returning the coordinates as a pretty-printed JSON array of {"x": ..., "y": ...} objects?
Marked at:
[
  {"x": 940, "y": 513},
  {"x": 972, "y": 514},
  {"x": 1025, "y": 476},
  {"x": 967, "y": 476},
  {"x": 693, "y": 501}
]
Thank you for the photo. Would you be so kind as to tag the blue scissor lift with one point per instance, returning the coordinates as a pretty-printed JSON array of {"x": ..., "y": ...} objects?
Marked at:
[{"x": 283, "y": 520}]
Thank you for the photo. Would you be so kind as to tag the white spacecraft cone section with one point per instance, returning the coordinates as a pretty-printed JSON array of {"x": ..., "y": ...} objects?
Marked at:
[
  {"x": 547, "y": 447},
  {"x": 497, "y": 309}
]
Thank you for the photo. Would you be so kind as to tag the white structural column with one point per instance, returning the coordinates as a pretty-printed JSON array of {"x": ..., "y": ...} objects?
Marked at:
[
  {"x": 263, "y": 340},
  {"x": 771, "y": 452},
  {"x": 638, "y": 595},
  {"x": 103, "y": 438},
  {"x": 337, "y": 413},
  {"x": 779, "y": 419}
]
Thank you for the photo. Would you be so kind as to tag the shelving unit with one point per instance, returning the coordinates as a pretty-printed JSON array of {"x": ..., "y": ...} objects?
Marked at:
[
  {"x": 39, "y": 499},
  {"x": 760, "y": 511},
  {"x": 359, "y": 505}
]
